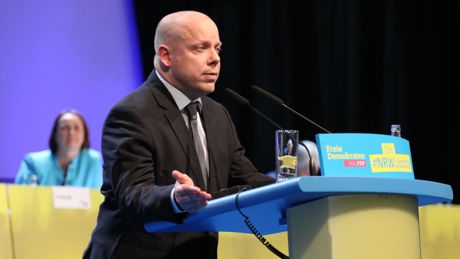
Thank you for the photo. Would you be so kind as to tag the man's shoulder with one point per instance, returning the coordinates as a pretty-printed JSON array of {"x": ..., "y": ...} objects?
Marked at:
[
  {"x": 147, "y": 101},
  {"x": 139, "y": 98},
  {"x": 143, "y": 92}
]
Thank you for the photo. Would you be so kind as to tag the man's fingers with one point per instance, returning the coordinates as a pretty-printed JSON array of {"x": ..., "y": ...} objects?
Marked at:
[
  {"x": 188, "y": 196},
  {"x": 182, "y": 178},
  {"x": 192, "y": 203},
  {"x": 187, "y": 190}
]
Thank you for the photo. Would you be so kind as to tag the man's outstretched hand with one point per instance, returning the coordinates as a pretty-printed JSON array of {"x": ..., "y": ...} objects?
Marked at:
[{"x": 189, "y": 197}]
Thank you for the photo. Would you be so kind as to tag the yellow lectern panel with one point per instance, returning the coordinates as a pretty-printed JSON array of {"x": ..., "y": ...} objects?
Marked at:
[
  {"x": 355, "y": 227},
  {"x": 240, "y": 245},
  {"x": 42, "y": 231},
  {"x": 440, "y": 231},
  {"x": 6, "y": 251}
]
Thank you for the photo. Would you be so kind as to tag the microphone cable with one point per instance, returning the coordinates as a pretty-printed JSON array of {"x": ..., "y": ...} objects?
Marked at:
[{"x": 254, "y": 230}]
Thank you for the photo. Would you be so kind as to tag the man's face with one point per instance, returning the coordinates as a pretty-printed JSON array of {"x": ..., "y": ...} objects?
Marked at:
[{"x": 195, "y": 61}]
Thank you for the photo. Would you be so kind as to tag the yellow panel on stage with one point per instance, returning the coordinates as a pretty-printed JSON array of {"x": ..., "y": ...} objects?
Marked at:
[
  {"x": 355, "y": 227},
  {"x": 6, "y": 251},
  {"x": 42, "y": 231},
  {"x": 440, "y": 231},
  {"x": 240, "y": 245},
  {"x": 338, "y": 227}
]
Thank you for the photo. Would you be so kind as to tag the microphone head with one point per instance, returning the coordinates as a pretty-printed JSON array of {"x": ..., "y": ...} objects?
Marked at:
[
  {"x": 237, "y": 97},
  {"x": 267, "y": 94}
]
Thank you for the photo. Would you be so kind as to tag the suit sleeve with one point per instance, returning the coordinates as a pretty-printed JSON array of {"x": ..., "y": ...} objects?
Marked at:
[{"x": 129, "y": 178}]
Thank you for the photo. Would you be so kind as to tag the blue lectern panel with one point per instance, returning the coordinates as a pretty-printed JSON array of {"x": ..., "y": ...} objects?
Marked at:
[
  {"x": 266, "y": 206},
  {"x": 357, "y": 154}
]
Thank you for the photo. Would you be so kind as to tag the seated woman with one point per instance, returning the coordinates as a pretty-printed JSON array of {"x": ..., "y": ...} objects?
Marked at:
[{"x": 68, "y": 161}]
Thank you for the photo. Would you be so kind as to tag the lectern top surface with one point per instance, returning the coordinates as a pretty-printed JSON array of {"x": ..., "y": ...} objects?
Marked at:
[{"x": 267, "y": 205}]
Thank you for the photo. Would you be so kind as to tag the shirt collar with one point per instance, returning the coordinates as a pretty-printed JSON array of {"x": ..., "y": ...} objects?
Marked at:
[{"x": 180, "y": 98}]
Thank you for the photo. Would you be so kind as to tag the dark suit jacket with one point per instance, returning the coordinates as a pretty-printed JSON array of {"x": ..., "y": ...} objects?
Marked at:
[{"x": 144, "y": 139}]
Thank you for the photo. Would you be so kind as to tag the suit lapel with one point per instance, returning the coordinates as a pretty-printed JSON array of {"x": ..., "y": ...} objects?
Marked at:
[{"x": 177, "y": 124}]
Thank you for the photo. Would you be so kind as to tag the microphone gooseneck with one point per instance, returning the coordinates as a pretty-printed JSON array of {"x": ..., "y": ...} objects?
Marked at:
[
  {"x": 243, "y": 101},
  {"x": 281, "y": 102}
]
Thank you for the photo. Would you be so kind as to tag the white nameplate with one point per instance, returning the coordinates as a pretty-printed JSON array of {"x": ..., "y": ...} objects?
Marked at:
[{"x": 71, "y": 197}]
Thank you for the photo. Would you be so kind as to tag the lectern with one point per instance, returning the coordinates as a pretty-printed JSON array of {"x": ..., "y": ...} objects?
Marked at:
[
  {"x": 327, "y": 217},
  {"x": 365, "y": 204}
]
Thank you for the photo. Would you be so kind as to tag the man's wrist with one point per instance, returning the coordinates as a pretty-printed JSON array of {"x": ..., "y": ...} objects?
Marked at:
[{"x": 176, "y": 207}]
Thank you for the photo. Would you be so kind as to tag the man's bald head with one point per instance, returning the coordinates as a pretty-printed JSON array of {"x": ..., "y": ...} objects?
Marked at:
[
  {"x": 172, "y": 27},
  {"x": 187, "y": 46}
]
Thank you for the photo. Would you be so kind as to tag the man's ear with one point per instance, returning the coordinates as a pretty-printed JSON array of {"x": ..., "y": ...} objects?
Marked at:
[{"x": 164, "y": 55}]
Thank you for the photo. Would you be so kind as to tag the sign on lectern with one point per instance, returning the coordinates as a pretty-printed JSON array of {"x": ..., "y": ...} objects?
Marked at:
[{"x": 356, "y": 154}]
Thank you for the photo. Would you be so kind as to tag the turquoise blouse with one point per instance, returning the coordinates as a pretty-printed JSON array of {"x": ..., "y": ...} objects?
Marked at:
[{"x": 43, "y": 168}]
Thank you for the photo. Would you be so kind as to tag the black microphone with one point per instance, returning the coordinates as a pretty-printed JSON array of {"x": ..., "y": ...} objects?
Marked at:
[
  {"x": 281, "y": 102},
  {"x": 243, "y": 101}
]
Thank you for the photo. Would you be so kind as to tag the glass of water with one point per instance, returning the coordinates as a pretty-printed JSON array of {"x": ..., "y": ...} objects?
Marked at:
[{"x": 287, "y": 143}]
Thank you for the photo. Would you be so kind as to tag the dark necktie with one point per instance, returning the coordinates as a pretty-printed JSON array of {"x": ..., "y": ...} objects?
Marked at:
[{"x": 192, "y": 112}]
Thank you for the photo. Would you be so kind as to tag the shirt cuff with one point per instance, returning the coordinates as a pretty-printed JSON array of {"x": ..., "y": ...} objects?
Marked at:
[{"x": 175, "y": 206}]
